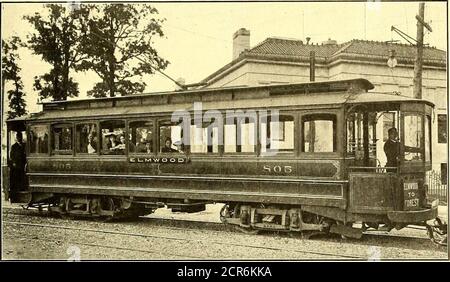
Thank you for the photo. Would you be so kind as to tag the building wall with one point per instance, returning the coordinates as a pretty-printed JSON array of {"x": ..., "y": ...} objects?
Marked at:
[
  {"x": 276, "y": 73},
  {"x": 238, "y": 77},
  {"x": 262, "y": 73}
]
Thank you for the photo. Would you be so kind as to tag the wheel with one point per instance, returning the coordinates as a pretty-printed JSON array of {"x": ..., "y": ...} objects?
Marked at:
[{"x": 224, "y": 213}]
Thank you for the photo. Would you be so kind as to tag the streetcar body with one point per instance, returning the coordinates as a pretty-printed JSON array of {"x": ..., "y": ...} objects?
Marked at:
[{"x": 316, "y": 166}]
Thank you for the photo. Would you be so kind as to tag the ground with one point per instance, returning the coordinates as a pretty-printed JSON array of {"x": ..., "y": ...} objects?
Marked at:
[{"x": 174, "y": 236}]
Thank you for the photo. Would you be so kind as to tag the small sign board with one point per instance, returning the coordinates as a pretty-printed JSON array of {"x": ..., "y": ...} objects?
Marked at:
[{"x": 411, "y": 195}]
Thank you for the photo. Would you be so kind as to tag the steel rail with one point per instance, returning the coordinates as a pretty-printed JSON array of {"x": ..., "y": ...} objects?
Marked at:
[{"x": 218, "y": 225}]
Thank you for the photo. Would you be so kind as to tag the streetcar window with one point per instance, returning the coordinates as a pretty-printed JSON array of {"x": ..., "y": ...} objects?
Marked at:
[
  {"x": 171, "y": 137},
  {"x": 413, "y": 137},
  {"x": 354, "y": 138},
  {"x": 38, "y": 139},
  {"x": 240, "y": 135},
  {"x": 113, "y": 138},
  {"x": 319, "y": 133},
  {"x": 388, "y": 122},
  {"x": 277, "y": 134},
  {"x": 428, "y": 139},
  {"x": 62, "y": 139},
  {"x": 204, "y": 138},
  {"x": 141, "y": 137},
  {"x": 86, "y": 138},
  {"x": 230, "y": 138}
]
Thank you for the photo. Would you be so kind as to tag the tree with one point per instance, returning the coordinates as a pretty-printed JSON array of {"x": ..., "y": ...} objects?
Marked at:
[
  {"x": 11, "y": 72},
  {"x": 56, "y": 39},
  {"x": 118, "y": 41}
]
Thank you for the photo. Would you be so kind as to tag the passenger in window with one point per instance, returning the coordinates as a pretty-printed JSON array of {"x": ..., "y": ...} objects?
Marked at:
[
  {"x": 140, "y": 147},
  {"x": 148, "y": 147},
  {"x": 43, "y": 146},
  {"x": 168, "y": 146},
  {"x": 392, "y": 149},
  {"x": 122, "y": 143},
  {"x": 145, "y": 146},
  {"x": 180, "y": 146},
  {"x": 92, "y": 145},
  {"x": 120, "y": 147},
  {"x": 112, "y": 142},
  {"x": 131, "y": 146}
]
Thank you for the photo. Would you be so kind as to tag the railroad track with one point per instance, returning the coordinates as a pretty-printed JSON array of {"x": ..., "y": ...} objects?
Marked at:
[
  {"x": 328, "y": 255},
  {"x": 217, "y": 226}
]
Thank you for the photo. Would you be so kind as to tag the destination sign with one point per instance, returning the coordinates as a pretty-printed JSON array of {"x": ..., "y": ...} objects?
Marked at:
[
  {"x": 411, "y": 195},
  {"x": 159, "y": 160}
]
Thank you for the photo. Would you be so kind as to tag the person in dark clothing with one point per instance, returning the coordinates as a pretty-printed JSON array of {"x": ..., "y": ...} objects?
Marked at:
[
  {"x": 392, "y": 151},
  {"x": 18, "y": 161},
  {"x": 392, "y": 148},
  {"x": 168, "y": 146},
  {"x": 145, "y": 146}
]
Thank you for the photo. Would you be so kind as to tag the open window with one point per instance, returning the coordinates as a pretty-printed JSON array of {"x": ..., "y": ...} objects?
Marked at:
[
  {"x": 240, "y": 135},
  {"x": 38, "y": 139},
  {"x": 319, "y": 133},
  {"x": 113, "y": 138},
  {"x": 62, "y": 139},
  {"x": 413, "y": 137},
  {"x": 171, "y": 138},
  {"x": 204, "y": 138},
  {"x": 277, "y": 134},
  {"x": 141, "y": 137},
  {"x": 428, "y": 139},
  {"x": 86, "y": 139},
  {"x": 362, "y": 137}
]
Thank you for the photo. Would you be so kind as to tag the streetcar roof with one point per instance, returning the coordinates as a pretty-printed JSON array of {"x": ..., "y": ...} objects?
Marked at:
[
  {"x": 325, "y": 94},
  {"x": 330, "y": 85}
]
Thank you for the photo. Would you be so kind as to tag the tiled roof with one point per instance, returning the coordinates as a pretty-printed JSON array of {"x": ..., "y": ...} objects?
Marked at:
[
  {"x": 375, "y": 48},
  {"x": 279, "y": 49},
  {"x": 289, "y": 47}
]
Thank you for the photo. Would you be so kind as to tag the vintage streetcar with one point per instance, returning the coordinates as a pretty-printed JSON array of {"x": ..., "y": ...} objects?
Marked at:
[{"x": 302, "y": 158}]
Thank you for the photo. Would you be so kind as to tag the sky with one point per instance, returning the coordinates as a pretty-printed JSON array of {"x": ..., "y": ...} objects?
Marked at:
[{"x": 198, "y": 36}]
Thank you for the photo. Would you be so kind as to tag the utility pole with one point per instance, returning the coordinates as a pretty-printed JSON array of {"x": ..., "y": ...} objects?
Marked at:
[{"x": 419, "y": 58}]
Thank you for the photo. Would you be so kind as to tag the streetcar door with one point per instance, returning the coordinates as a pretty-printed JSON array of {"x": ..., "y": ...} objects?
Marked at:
[
  {"x": 15, "y": 184},
  {"x": 373, "y": 183}
]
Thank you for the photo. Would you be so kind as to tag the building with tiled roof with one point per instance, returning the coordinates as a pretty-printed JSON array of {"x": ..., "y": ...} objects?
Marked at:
[
  {"x": 291, "y": 51},
  {"x": 283, "y": 60}
]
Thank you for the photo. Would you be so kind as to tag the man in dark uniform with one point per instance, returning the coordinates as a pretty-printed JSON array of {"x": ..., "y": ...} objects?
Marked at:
[
  {"x": 17, "y": 164},
  {"x": 392, "y": 148},
  {"x": 392, "y": 151}
]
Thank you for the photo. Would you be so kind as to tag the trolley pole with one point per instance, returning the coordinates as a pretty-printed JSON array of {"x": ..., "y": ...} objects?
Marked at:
[{"x": 419, "y": 57}]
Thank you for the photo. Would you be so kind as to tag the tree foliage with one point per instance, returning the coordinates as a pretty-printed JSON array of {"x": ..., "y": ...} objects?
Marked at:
[
  {"x": 118, "y": 42},
  {"x": 11, "y": 73},
  {"x": 56, "y": 40}
]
